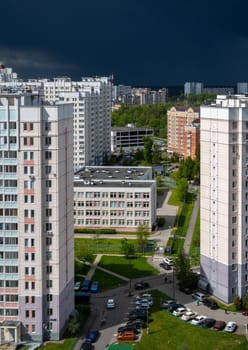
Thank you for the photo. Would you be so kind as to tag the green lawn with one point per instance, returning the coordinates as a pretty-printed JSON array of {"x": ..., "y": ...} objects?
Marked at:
[
  {"x": 67, "y": 344},
  {"x": 130, "y": 268},
  {"x": 185, "y": 215},
  {"x": 100, "y": 245},
  {"x": 195, "y": 243},
  {"x": 81, "y": 269},
  {"x": 107, "y": 281},
  {"x": 173, "y": 200},
  {"x": 166, "y": 332}
]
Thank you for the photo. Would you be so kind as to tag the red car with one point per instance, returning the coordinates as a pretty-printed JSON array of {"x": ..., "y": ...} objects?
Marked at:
[
  {"x": 245, "y": 312},
  {"x": 219, "y": 325}
]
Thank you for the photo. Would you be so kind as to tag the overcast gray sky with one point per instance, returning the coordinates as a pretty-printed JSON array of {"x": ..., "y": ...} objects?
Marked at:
[{"x": 141, "y": 42}]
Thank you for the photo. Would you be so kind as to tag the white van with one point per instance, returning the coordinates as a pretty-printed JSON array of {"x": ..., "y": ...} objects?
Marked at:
[{"x": 198, "y": 296}]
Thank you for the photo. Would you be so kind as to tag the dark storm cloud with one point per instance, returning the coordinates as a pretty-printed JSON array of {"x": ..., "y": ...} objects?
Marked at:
[{"x": 141, "y": 42}]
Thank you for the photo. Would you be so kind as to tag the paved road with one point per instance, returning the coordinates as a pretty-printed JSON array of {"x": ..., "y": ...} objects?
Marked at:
[{"x": 114, "y": 318}]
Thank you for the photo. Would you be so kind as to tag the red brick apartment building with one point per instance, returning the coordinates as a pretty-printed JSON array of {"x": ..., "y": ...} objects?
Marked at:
[{"x": 183, "y": 131}]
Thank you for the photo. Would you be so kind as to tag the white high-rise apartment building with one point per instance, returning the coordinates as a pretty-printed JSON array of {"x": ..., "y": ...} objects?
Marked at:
[
  {"x": 92, "y": 98},
  {"x": 224, "y": 196},
  {"x": 36, "y": 218},
  {"x": 92, "y": 102}
]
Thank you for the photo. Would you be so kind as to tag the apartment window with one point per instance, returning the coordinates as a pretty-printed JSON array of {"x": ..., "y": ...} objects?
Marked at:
[
  {"x": 47, "y": 126},
  {"x": 48, "y": 240},
  {"x": 32, "y": 285},
  {"x": 48, "y": 183},
  {"x": 26, "y": 299},
  {"x": 32, "y": 256},
  {"x": 48, "y": 226},
  {"x": 33, "y": 313},
  {"x": 48, "y": 155},
  {"x": 49, "y": 269},
  {"x": 48, "y": 169},
  {"x": 48, "y": 141},
  {"x": 48, "y": 212},
  {"x": 26, "y": 285},
  {"x": 33, "y": 299},
  {"x": 33, "y": 328},
  {"x": 27, "y": 313},
  {"x": 234, "y": 124},
  {"x": 48, "y": 255},
  {"x": 49, "y": 283},
  {"x": 49, "y": 297},
  {"x": 48, "y": 197}
]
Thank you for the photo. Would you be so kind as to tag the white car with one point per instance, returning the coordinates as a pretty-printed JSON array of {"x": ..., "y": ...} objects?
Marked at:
[
  {"x": 189, "y": 315},
  {"x": 198, "y": 320},
  {"x": 230, "y": 327},
  {"x": 180, "y": 311},
  {"x": 111, "y": 304},
  {"x": 168, "y": 261},
  {"x": 144, "y": 301}
]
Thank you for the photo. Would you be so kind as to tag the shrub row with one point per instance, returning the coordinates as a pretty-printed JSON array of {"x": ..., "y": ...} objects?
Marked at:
[{"x": 95, "y": 231}]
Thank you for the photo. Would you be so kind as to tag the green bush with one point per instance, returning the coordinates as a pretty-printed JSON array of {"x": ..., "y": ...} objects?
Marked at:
[{"x": 101, "y": 231}]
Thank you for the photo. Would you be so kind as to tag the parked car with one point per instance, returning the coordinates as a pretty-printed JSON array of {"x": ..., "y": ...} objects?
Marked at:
[
  {"x": 141, "y": 285},
  {"x": 198, "y": 296},
  {"x": 167, "y": 303},
  {"x": 139, "y": 324},
  {"x": 189, "y": 315},
  {"x": 138, "y": 315},
  {"x": 208, "y": 322},
  {"x": 180, "y": 311},
  {"x": 128, "y": 328},
  {"x": 77, "y": 286},
  {"x": 173, "y": 306},
  {"x": 210, "y": 303},
  {"x": 245, "y": 312},
  {"x": 168, "y": 261},
  {"x": 86, "y": 286},
  {"x": 231, "y": 327},
  {"x": 111, "y": 304},
  {"x": 127, "y": 335},
  {"x": 165, "y": 266},
  {"x": 198, "y": 320},
  {"x": 87, "y": 346},
  {"x": 144, "y": 301},
  {"x": 219, "y": 325},
  {"x": 92, "y": 336},
  {"x": 94, "y": 287}
]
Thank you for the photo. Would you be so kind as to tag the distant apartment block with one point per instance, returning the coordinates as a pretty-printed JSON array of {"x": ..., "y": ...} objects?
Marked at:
[
  {"x": 128, "y": 139},
  {"x": 219, "y": 90},
  {"x": 183, "y": 131},
  {"x": 91, "y": 99},
  {"x": 242, "y": 88},
  {"x": 36, "y": 218},
  {"x": 193, "y": 88},
  {"x": 122, "y": 198},
  {"x": 224, "y": 196},
  {"x": 7, "y": 74}
]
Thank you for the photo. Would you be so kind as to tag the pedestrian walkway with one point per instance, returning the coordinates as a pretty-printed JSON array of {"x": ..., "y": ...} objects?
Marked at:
[
  {"x": 191, "y": 226},
  {"x": 95, "y": 265}
]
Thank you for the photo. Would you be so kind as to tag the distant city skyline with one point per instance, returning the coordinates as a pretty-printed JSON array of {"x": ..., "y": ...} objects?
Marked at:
[{"x": 142, "y": 43}]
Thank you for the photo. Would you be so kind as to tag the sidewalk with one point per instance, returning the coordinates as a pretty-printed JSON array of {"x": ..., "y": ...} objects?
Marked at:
[
  {"x": 95, "y": 265},
  {"x": 191, "y": 227}
]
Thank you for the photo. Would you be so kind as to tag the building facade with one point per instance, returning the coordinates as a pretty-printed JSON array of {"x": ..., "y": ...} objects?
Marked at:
[
  {"x": 122, "y": 198},
  {"x": 183, "y": 131},
  {"x": 36, "y": 216},
  {"x": 224, "y": 196},
  {"x": 193, "y": 88},
  {"x": 128, "y": 139}
]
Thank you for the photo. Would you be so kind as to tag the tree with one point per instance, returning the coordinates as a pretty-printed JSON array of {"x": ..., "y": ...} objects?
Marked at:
[
  {"x": 142, "y": 235},
  {"x": 182, "y": 188},
  {"x": 74, "y": 326},
  {"x": 237, "y": 302},
  {"x": 185, "y": 276},
  {"x": 127, "y": 248},
  {"x": 148, "y": 153},
  {"x": 245, "y": 301}
]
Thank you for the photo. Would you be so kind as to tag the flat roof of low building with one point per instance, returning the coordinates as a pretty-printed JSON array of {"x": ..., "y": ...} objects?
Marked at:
[
  {"x": 113, "y": 173},
  {"x": 113, "y": 176}
]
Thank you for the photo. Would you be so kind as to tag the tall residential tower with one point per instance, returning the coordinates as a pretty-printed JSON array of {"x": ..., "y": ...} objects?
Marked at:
[
  {"x": 224, "y": 196},
  {"x": 36, "y": 217}
]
